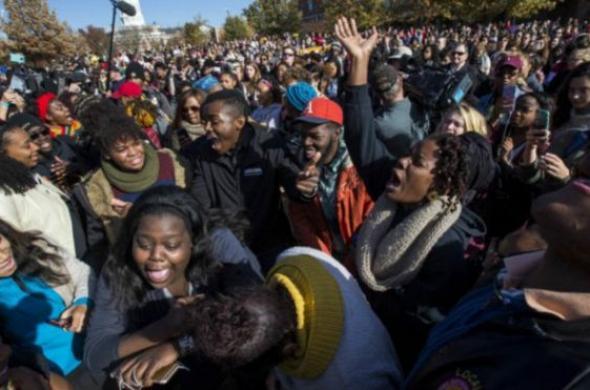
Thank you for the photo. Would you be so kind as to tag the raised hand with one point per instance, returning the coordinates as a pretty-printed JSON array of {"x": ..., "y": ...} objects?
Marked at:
[{"x": 354, "y": 43}]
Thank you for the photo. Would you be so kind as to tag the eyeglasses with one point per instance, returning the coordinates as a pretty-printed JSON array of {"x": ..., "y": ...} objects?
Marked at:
[
  {"x": 34, "y": 135},
  {"x": 192, "y": 109}
]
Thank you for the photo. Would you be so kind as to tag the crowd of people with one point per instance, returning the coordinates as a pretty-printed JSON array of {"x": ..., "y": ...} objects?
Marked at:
[{"x": 400, "y": 208}]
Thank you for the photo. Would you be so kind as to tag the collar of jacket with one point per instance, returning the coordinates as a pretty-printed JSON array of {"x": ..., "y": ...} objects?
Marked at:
[{"x": 240, "y": 152}]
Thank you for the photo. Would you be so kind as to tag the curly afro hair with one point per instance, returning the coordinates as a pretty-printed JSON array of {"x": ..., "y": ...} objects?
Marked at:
[
  {"x": 107, "y": 123},
  {"x": 254, "y": 327},
  {"x": 451, "y": 170}
]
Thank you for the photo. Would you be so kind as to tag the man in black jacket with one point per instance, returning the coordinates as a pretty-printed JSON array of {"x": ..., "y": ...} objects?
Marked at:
[{"x": 239, "y": 167}]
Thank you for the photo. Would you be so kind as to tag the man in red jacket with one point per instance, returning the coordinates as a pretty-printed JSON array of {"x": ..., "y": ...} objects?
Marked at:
[{"x": 341, "y": 202}]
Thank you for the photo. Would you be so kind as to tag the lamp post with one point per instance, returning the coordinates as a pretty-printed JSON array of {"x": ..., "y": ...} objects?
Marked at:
[{"x": 127, "y": 9}]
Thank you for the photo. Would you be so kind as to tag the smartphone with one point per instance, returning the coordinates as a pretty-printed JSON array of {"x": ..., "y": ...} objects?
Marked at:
[
  {"x": 17, "y": 58},
  {"x": 508, "y": 96},
  {"x": 17, "y": 84},
  {"x": 542, "y": 121},
  {"x": 541, "y": 129},
  {"x": 462, "y": 89}
]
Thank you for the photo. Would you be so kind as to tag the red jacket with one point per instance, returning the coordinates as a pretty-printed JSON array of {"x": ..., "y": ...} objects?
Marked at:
[{"x": 353, "y": 204}]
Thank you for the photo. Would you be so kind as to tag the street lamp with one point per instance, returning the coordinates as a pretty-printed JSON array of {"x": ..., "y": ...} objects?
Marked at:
[{"x": 127, "y": 9}]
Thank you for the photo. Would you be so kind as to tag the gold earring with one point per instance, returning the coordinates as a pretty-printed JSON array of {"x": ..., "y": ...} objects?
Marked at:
[{"x": 432, "y": 196}]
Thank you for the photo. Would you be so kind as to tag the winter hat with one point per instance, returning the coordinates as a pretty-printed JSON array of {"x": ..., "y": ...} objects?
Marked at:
[
  {"x": 300, "y": 94},
  {"x": 135, "y": 70},
  {"x": 43, "y": 104},
  {"x": 128, "y": 89},
  {"x": 206, "y": 83}
]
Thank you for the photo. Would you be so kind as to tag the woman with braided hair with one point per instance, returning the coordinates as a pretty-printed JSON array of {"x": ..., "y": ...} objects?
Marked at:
[{"x": 410, "y": 250}]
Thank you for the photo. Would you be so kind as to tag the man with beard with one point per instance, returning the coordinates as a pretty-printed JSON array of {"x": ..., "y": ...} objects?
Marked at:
[
  {"x": 238, "y": 167},
  {"x": 341, "y": 202}
]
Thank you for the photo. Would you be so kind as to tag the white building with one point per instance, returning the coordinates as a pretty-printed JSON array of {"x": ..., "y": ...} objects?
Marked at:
[{"x": 135, "y": 34}]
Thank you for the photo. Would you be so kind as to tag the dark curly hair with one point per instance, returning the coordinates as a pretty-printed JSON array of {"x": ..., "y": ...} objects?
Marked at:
[
  {"x": 34, "y": 256},
  {"x": 252, "y": 328},
  {"x": 121, "y": 272},
  {"x": 108, "y": 123},
  {"x": 451, "y": 167}
]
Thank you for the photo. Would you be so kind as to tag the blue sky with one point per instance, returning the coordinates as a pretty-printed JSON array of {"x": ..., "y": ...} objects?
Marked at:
[{"x": 167, "y": 13}]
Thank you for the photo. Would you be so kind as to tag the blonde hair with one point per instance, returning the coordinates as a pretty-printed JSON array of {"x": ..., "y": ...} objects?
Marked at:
[{"x": 473, "y": 120}]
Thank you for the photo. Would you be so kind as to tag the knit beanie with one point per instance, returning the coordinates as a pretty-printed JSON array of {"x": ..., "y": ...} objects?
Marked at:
[
  {"x": 43, "y": 104},
  {"x": 206, "y": 83},
  {"x": 300, "y": 94},
  {"x": 319, "y": 310}
]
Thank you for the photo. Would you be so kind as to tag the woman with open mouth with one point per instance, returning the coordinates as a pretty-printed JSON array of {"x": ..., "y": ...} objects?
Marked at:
[
  {"x": 171, "y": 254},
  {"x": 29, "y": 201},
  {"x": 129, "y": 166},
  {"x": 411, "y": 249}
]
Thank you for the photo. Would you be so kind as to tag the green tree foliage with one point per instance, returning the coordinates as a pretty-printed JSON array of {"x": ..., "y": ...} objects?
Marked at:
[
  {"x": 96, "y": 38},
  {"x": 235, "y": 28},
  {"x": 195, "y": 32},
  {"x": 527, "y": 8},
  {"x": 465, "y": 10},
  {"x": 367, "y": 13},
  {"x": 274, "y": 17},
  {"x": 35, "y": 31}
]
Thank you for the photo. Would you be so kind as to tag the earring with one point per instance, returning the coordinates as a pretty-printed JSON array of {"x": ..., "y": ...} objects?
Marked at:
[{"x": 432, "y": 196}]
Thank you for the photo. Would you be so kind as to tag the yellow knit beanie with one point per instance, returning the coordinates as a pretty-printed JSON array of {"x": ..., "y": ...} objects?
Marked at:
[{"x": 319, "y": 310}]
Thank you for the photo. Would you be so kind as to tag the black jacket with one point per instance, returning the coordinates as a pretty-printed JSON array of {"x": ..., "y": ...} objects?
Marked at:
[
  {"x": 489, "y": 343},
  {"x": 248, "y": 179},
  {"x": 369, "y": 154}
]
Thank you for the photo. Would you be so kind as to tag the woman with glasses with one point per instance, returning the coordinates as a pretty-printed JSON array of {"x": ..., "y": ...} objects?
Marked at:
[
  {"x": 289, "y": 56},
  {"x": 59, "y": 158},
  {"x": 187, "y": 123},
  {"x": 29, "y": 202}
]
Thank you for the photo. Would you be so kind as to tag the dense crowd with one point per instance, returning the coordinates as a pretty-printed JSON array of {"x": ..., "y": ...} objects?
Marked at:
[{"x": 402, "y": 208}]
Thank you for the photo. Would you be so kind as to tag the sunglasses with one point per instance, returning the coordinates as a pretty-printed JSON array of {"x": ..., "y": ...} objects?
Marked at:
[
  {"x": 35, "y": 135},
  {"x": 192, "y": 109}
]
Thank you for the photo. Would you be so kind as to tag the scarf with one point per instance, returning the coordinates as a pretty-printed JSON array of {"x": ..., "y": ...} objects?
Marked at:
[
  {"x": 319, "y": 310},
  {"x": 387, "y": 258},
  {"x": 193, "y": 131},
  {"x": 134, "y": 181}
]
